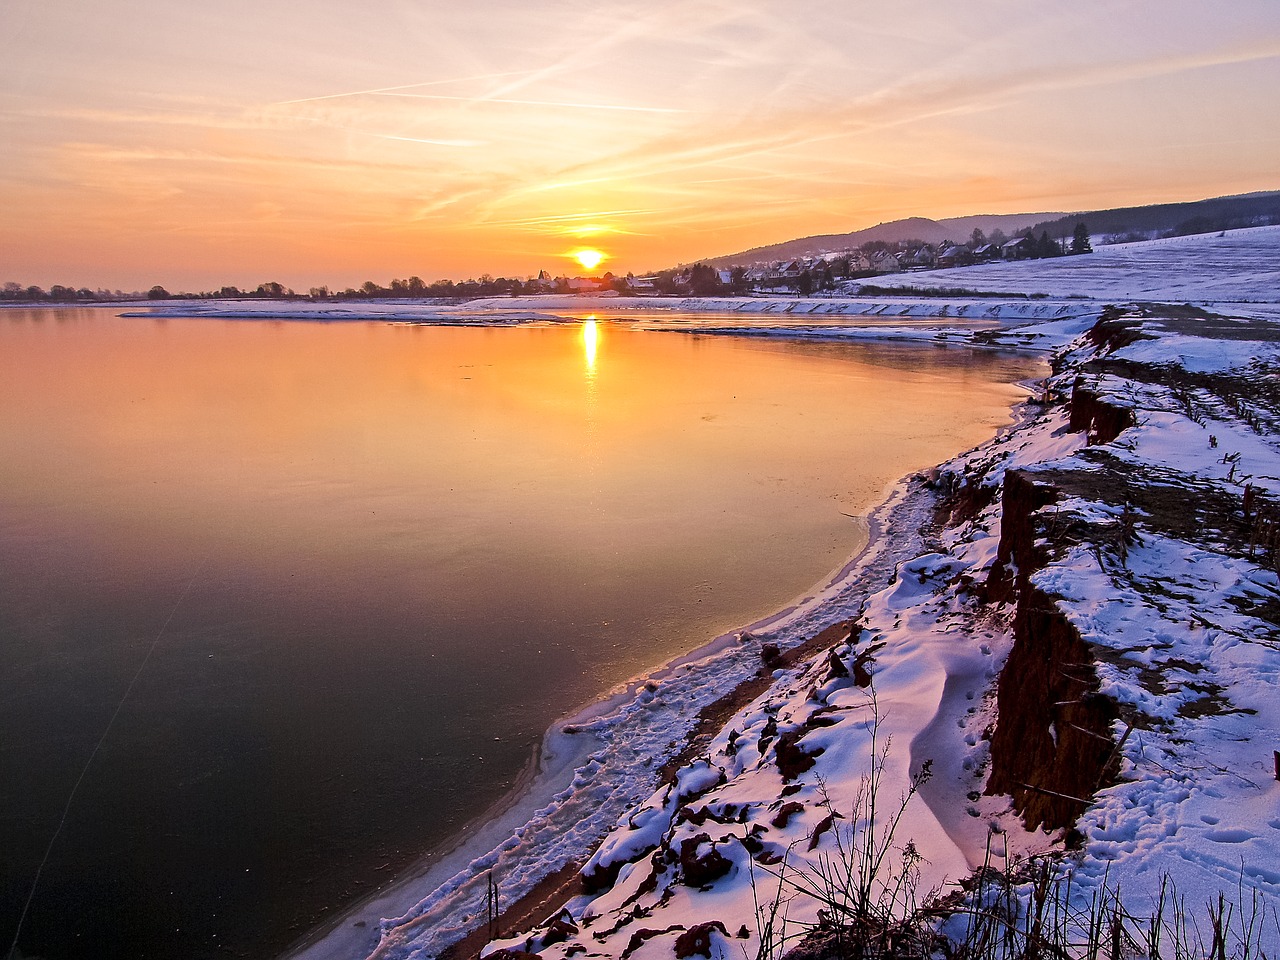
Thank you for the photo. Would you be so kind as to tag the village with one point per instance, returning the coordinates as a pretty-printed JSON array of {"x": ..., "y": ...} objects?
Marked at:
[{"x": 832, "y": 272}]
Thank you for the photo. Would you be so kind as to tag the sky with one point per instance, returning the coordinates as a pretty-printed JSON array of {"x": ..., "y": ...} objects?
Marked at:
[{"x": 333, "y": 142}]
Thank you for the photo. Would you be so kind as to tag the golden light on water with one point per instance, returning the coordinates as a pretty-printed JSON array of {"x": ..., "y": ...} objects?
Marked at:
[
  {"x": 590, "y": 259},
  {"x": 590, "y": 342}
]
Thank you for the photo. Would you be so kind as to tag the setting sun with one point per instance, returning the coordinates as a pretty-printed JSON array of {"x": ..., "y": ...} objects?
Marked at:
[{"x": 590, "y": 259}]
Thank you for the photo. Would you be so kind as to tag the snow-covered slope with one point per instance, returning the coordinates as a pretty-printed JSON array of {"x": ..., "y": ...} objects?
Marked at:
[
  {"x": 1238, "y": 266},
  {"x": 1132, "y": 566}
]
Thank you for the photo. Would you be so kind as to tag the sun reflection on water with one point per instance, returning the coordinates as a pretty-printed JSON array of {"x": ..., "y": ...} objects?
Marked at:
[{"x": 590, "y": 343}]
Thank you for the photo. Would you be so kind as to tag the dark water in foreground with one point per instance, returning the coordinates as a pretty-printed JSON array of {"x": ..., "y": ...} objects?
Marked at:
[{"x": 324, "y": 586}]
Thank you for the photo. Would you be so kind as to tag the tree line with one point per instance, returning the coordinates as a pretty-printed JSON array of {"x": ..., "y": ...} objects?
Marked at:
[
  {"x": 698, "y": 280},
  {"x": 415, "y": 287}
]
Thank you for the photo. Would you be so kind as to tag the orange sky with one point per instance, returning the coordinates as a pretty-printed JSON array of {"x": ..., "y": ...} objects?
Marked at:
[{"x": 142, "y": 142}]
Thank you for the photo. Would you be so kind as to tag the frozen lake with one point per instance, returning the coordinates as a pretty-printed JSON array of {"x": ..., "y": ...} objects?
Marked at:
[{"x": 323, "y": 586}]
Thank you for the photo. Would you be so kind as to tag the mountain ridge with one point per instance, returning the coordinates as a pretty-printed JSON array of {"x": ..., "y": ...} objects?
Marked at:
[{"x": 1192, "y": 216}]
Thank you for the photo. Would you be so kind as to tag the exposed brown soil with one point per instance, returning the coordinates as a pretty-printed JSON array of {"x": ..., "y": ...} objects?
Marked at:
[{"x": 546, "y": 898}]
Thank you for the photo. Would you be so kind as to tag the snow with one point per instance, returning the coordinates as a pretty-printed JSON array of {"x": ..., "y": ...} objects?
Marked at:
[
  {"x": 1178, "y": 626},
  {"x": 1236, "y": 267}
]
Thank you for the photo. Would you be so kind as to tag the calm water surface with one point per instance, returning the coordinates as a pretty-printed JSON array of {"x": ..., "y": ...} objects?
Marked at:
[{"x": 325, "y": 585}]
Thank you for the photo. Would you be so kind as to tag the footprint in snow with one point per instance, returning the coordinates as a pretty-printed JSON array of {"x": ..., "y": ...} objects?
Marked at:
[{"x": 1229, "y": 836}]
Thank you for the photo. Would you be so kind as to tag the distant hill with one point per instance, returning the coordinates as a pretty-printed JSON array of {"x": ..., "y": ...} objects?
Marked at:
[
  {"x": 1164, "y": 219},
  {"x": 912, "y": 228},
  {"x": 1172, "y": 219}
]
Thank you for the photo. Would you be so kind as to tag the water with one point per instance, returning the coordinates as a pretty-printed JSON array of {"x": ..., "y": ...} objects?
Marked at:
[{"x": 347, "y": 574}]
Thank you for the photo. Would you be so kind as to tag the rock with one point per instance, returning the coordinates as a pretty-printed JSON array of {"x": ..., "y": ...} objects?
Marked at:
[
  {"x": 792, "y": 759},
  {"x": 827, "y": 823},
  {"x": 640, "y": 936},
  {"x": 558, "y": 931},
  {"x": 835, "y": 667},
  {"x": 701, "y": 871},
  {"x": 696, "y": 941},
  {"x": 784, "y": 815}
]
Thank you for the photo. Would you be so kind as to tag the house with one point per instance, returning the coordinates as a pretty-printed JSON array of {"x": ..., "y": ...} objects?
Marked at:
[
  {"x": 922, "y": 256},
  {"x": 860, "y": 263},
  {"x": 1019, "y": 248},
  {"x": 886, "y": 262},
  {"x": 953, "y": 255}
]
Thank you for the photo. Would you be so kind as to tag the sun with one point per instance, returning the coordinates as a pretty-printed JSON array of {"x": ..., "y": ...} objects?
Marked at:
[{"x": 590, "y": 259}]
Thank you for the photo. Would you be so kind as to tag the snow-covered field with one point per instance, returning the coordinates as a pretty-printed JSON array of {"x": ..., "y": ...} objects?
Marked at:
[
  {"x": 1147, "y": 557},
  {"x": 1236, "y": 267}
]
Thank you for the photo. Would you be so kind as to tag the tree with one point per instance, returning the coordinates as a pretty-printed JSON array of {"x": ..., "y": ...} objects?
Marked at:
[
  {"x": 804, "y": 284},
  {"x": 157, "y": 293},
  {"x": 1080, "y": 240},
  {"x": 704, "y": 281},
  {"x": 977, "y": 239},
  {"x": 1046, "y": 247}
]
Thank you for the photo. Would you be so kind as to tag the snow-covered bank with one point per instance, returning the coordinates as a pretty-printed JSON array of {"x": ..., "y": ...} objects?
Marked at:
[
  {"x": 878, "y": 313},
  {"x": 1092, "y": 650}
]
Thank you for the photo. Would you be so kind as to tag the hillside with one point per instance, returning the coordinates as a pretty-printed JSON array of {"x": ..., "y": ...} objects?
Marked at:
[
  {"x": 1173, "y": 219},
  {"x": 1236, "y": 266},
  {"x": 912, "y": 228},
  {"x": 1143, "y": 222}
]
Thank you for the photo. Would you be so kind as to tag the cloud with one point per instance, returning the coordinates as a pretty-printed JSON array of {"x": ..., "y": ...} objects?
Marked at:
[{"x": 543, "y": 103}]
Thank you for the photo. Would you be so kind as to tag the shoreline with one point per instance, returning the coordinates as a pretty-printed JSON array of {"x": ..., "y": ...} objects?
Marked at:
[
  {"x": 902, "y": 505},
  {"x": 908, "y": 497},
  {"x": 549, "y": 763},
  {"x": 805, "y": 625}
]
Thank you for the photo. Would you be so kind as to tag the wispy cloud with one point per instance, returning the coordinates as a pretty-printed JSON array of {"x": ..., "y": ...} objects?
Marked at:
[
  {"x": 432, "y": 142},
  {"x": 558, "y": 219},
  {"x": 627, "y": 108},
  {"x": 405, "y": 86}
]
